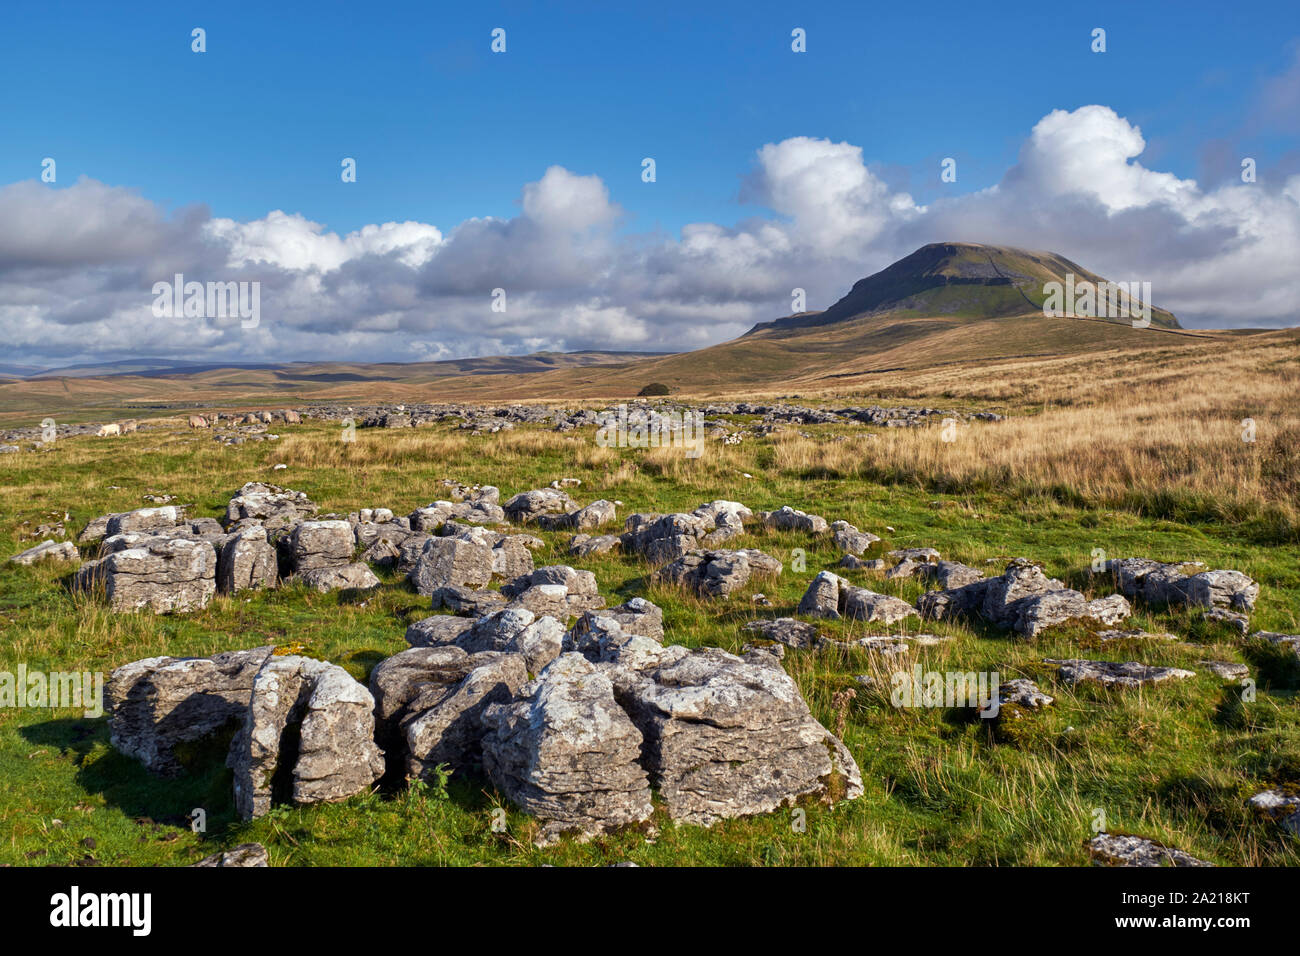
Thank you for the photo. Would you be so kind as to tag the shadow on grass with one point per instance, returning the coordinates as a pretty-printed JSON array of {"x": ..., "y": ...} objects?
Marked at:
[{"x": 126, "y": 785}]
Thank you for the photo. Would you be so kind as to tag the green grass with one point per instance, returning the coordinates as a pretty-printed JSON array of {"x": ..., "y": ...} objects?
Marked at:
[{"x": 1174, "y": 762}]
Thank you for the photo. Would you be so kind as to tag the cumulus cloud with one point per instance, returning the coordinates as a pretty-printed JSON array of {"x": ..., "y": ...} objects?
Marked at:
[{"x": 77, "y": 263}]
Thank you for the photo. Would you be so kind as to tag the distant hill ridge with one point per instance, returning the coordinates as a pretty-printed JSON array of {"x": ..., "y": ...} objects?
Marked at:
[{"x": 957, "y": 279}]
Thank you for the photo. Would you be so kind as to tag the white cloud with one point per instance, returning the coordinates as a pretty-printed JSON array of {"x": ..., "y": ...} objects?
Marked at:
[{"x": 77, "y": 263}]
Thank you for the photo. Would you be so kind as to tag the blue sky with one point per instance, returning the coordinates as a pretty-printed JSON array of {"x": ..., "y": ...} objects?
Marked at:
[{"x": 444, "y": 131}]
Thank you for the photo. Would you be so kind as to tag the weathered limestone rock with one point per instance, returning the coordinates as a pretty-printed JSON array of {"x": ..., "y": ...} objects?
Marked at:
[
  {"x": 714, "y": 574},
  {"x": 1112, "y": 674},
  {"x": 479, "y": 506},
  {"x": 158, "y": 703},
  {"x": 336, "y": 756},
  {"x": 244, "y": 855},
  {"x": 1037, "y": 613},
  {"x": 1218, "y": 615},
  {"x": 663, "y": 538},
  {"x": 246, "y": 560},
  {"x": 564, "y": 751},
  {"x": 177, "y": 574},
  {"x": 822, "y": 599},
  {"x": 557, "y": 590},
  {"x": 271, "y": 505},
  {"x": 145, "y": 519},
  {"x": 1018, "y": 696},
  {"x": 1289, "y": 642},
  {"x": 1126, "y": 850},
  {"x": 528, "y": 505},
  {"x": 791, "y": 519},
  {"x": 584, "y": 545},
  {"x": 634, "y": 616},
  {"x": 863, "y": 605},
  {"x": 947, "y": 575},
  {"x": 1280, "y": 805},
  {"x": 429, "y": 703},
  {"x": 345, "y": 577},
  {"x": 452, "y": 562},
  {"x": 1227, "y": 670},
  {"x": 467, "y": 602},
  {"x": 321, "y": 544},
  {"x": 438, "y": 630},
  {"x": 1159, "y": 584},
  {"x": 850, "y": 540},
  {"x": 787, "y": 631},
  {"x": 1106, "y": 637},
  {"x": 537, "y": 639},
  {"x": 47, "y": 551},
  {"x": 727, "y": 736},
  {"x": 593, "y": 516}
]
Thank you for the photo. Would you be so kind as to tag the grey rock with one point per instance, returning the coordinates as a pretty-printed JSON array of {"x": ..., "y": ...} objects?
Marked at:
[
  {"x": 452, "y": 562},
  {"x": 1114, "y": 849},
  {"x": 468, "y": 602},
  {"x": 863, "y": 605},
  {"x": 564, "y": 751},
  {"x": 334, "y": 716},
  {"x": 246, "y": 560},
  {"x": 714, "y": 574},
  {"x": 791, "y": 519},
  {"x": 584, "y": 545},
  {"x": 165, "y": 575},
  {"x": 727, "y": 736},
  {"x": 145, "y": 519},
  {"x": 47, "y": 551},
  {"x": 1114, "y": 674},
  {"x": 849, "y": 539},
  {"x": 593, "y": 516},
  {"x": 528, "y": 505},
  {"x": 1227, "y": 670},
  {"x": 321, "y": 544},
  {"x": 244, "y": 855},
  {"x": 787, "y": 631},
  {"x": 437, "y": 631},
  {"x": 158, "y": 703},
  {"x": 1279, "y": 805},
  {"x": 347, "y": 577}
]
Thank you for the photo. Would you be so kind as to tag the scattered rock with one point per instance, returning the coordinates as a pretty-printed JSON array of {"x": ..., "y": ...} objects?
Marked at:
[
  {"x": 1111, "y": 674},
  {"x": 1117, "y": 849},
  {"x": 714, "y": 574},
  {"x": 246, "y": 854},
  {"x": 47, "y": 551}
]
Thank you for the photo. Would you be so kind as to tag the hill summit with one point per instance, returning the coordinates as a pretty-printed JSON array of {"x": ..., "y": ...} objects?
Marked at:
[{"x": 976, "y": 281}]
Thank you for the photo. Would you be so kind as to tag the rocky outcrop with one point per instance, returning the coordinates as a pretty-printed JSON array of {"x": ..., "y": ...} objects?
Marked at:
[
  {"x": 831, "y": 596},
  {"x": 310, "y": 730},
  {"x": 727, "y": 736},
  {"x": 243, "y": 855},
  {"x": 163, "y": 575},
  {"x": 159, "y": 703},
  {"x": 715, "y": 574},
  {"x": 321, "y": 544},
  {"x": 344, "y": 577},
  {"x": 1159, "y": 584},
  {"x": 268, "y": 505},
  {"x": 452, "y": 562},
  {"x": 429, "y": 703},
  {"x": 787, "y": 631},
  {"x": 786, "y": 518},
  {"x": 564, "y": 751},
  {"x": 557, "y": 590},
  {"x": 247, "y": 560}
]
